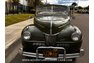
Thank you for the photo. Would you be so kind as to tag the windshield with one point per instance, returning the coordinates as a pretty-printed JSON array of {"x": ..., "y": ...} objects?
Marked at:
[{"x": 52, "y": 10}]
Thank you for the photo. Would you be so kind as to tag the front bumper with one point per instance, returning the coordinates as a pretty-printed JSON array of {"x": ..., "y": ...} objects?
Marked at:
[{"x": 61, "y": 56}]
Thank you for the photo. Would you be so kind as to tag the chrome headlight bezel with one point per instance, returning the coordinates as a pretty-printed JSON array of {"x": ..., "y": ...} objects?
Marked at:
[
  {"x": 26, "y": 35},
  {"x": 76, "y": 36}
]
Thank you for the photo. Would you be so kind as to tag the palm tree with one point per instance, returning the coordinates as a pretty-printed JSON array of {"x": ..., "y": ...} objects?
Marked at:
[{"x": 74, "y": 4}]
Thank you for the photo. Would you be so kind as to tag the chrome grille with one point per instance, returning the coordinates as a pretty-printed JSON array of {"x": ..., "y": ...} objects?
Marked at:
[{"x": 50, "y": 40}]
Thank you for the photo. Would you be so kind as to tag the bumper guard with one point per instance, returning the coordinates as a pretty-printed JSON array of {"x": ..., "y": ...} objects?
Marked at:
[{"x": 60, "y": 57}]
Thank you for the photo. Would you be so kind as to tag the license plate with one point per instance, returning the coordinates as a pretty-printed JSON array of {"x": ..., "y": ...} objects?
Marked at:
[{"x": 50, "y": 53}]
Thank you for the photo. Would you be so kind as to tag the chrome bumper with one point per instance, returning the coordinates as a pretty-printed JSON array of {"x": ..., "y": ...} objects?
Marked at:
[{"x": 61, "y": 56}]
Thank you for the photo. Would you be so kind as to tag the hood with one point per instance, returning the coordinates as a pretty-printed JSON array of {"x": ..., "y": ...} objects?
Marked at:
[{"x": 51, "y": 24}]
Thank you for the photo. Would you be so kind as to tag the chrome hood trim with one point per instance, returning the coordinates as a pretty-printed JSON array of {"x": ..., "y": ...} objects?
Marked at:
[{"x": 52, "y": 27}]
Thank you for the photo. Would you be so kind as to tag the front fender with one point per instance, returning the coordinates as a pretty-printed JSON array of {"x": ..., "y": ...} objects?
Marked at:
[
  {"x": 77, "y": 30},
  {"x": 36, "y": 34},
  {"x": 66, "y": 33}
]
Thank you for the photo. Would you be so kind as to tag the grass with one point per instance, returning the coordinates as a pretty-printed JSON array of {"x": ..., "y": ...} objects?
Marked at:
[{"x": 15, "y": 18}]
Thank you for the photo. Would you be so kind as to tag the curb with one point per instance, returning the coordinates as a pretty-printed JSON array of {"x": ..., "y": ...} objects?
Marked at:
[
  {"x": 14, "y": 43},
  {"x": 12, "y": 51}
]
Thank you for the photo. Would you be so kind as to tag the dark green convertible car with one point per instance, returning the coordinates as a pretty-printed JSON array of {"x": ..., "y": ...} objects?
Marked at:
[{"x": 52, "y": 37}]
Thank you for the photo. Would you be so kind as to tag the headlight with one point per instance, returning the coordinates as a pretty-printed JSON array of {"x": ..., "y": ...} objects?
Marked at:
[
  {"x": 76, "y": 37},
  {"x": 26, "y": 35}
]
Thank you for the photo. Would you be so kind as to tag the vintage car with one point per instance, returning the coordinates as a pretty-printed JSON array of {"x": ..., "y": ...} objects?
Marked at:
[{"x": 52, "y": 37}]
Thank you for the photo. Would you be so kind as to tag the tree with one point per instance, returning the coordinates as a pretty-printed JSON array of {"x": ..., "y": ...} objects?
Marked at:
[
  {"x": 9, "y": 2},
  {"x": 13, "y": 5},
  {"x": 32, "y": 4},
  {"x": 74, "y": 4},
  {"x": 87, "y": 7},
  {"x": 79, "y": 7},
  {"x": 38, "y": 2},
  {"x": 15, "y": 1}
]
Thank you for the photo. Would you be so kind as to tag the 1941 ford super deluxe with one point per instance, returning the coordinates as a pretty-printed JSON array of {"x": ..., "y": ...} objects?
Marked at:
[{"x": 52, "y": 37}]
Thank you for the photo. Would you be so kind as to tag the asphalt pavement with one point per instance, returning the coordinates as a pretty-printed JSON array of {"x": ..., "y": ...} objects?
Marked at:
[{"x": 81, "y": 21}]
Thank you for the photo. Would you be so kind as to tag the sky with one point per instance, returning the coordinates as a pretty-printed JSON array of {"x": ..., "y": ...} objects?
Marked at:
[
  {"x": 23, "y": 2},
  {"x": 82, "y": 3}
]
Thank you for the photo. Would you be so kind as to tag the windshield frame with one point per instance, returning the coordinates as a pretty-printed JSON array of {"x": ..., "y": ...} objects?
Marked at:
[{"x": 50, "y": 10}]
